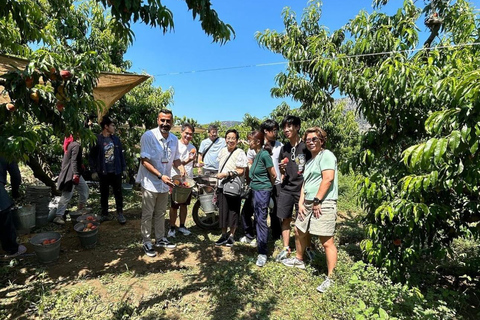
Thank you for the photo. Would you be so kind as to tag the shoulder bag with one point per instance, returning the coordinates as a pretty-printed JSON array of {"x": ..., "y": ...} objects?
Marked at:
[{"x": 233, "y": 186}]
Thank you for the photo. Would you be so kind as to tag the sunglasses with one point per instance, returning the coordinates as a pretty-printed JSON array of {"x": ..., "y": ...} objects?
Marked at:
[{"x": 314, "y": 140}]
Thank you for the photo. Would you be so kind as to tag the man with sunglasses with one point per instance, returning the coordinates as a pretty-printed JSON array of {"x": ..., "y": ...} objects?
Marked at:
[{"x": 293, "y": 156}]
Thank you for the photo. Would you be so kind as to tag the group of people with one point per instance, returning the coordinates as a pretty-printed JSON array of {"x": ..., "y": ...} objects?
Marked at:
[{"x": 300, "y": 176}]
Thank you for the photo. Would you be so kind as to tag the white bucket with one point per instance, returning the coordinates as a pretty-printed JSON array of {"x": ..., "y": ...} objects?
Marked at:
[{"x": 206, "y": 200}]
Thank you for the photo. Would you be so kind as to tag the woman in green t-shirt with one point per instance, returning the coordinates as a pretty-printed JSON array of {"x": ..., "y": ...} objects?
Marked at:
[
  {"x": 262, "y": 179},
  {"x": 317, "y": 207}
]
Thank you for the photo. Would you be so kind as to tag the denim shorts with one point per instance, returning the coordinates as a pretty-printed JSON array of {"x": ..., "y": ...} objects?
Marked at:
[{"x": 323, "y": 225}]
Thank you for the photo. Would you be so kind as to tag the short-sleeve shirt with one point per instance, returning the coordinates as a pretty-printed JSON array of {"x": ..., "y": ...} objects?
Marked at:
[
  {"x": 154, "y": 147},
  {"x": 297, "y": 157},
  {"x": 184, "y": 151},
  {"x": 237, "y": 159},
  {"x": 275, "y": 158},
  {"x": 210, "y": 159},
  {"x": 325, "y": 160},
  {"x": 259, "y": 176}
]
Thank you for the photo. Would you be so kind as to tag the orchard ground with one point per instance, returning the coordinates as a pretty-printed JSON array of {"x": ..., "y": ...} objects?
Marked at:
[{"x": 197, "y": 280}]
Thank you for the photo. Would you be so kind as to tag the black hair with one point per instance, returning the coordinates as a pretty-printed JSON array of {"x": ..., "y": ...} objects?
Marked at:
[
  {"x": 234, "y": 131},
  {"x": 106, "y": 121},
  {"x": 166, "y": 111},
  {"x": 269, "y": 125},
  {"x": 260, "y": 136},
  {"x": 186, "y": 125},
  {"x": 212, "y": 127},
  {"x": 293, "y": 120}
]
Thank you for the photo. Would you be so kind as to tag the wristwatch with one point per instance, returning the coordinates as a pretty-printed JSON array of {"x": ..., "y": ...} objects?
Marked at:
[
  {"x": 317, "y": 201},
  {"x": 160, "y": 176}
]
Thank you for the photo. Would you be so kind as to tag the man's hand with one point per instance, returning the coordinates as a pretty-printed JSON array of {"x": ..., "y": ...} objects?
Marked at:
[
  {"x": 168, "y": 181},
  {"x": 95, "y": 176},
  {"x": 76, "y": 179}
]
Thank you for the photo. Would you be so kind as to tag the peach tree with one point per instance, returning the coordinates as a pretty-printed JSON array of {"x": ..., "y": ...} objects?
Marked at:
[
  {"x": 68, "y": 43},
  {"x": 419, "y": 159}
]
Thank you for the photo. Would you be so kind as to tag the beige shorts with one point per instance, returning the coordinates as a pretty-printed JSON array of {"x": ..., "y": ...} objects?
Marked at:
[{"x": 322, "y": 226}]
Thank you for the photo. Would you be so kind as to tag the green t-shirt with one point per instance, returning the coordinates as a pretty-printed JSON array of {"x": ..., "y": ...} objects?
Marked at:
[
  {"x": 259, "y": 176},
  {"x": 325, "y": 160}
]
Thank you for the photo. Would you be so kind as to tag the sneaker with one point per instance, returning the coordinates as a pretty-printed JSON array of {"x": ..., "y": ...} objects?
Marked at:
[
  {"x": 247, "y": 240},
  {"x": 164, "y": 243},
  {"x": 184, "y": 230},
  {"x": 283, "y": 254},
  {"x": 149, "y": 251},
  {"x": 261, "y": 260},
  {"x": 294, "y": 262},
  {"x": 21, "y": 250},
  {"x": 121, "y": 218},
  {"x": 223, "y": 240},
  {"x": 230, "y": 242},
  {"x": 325, "y": 285},
  {"x": 104, "y": 218},
  {"x": 171, "y": 233},
  {"x": 59, "y": 220}
]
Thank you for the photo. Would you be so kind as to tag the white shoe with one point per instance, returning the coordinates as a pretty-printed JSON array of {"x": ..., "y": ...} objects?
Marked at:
[
  {"x": 171, "y": 233},
  {"x": 247, "y": 240},
  {"x": 261, "y": 260},
  {"x": 184, "y": 230}
]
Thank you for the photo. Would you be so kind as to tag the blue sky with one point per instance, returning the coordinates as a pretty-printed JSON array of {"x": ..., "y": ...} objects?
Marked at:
[{"x": 225, "y": 94}]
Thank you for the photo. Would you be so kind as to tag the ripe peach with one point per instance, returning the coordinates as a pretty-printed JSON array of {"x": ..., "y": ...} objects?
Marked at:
[
  {"x": 45, "y": 242},
  {"x": 89, "y": 225},
  {"x": 65, "y": 74},
  {"x": 397, "y": 242},
  {"x": 53, "y": 240},
  {"x": 29, "y": 82},
  {"x": 193, "y": 150},
  {"x": 60, "y": 106}
]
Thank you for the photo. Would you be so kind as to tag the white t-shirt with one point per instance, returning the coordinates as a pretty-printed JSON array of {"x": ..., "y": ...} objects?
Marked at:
[
  {"x": 154, "y": 147},
  {"x": 184, "y": 151},
  {"x": 237, "y": 159}
]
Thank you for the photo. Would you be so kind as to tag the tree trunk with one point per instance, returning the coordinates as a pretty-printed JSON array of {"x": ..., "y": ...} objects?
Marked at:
[{"x": 43, "y": 174}]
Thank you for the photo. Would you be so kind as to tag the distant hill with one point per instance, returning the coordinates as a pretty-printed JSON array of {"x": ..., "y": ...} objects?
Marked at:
[
  {"x": 351, "y": 106},
  {"x": 229, "y": 124}
]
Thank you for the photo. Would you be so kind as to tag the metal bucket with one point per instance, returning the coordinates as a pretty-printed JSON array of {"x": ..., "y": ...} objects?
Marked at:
[
  {"x": 88, "y": 239},
  {"x": 74, "y": 216},
  {"x": 46, "y": 253},
  {"x": 181, "y": 194},
  {"x": 24, "y": 217},
  {"x": 206, "y": 200}
]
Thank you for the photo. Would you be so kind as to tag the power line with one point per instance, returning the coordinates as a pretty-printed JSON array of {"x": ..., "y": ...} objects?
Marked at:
[{"x": 310, "y": 60}]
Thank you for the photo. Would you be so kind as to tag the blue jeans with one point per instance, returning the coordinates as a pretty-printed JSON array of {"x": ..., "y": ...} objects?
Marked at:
[{"x": 261, "y": 199}]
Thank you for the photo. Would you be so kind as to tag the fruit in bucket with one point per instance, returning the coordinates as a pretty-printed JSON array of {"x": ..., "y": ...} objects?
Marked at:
[
  {"x": 45, "y": 242},
  {"x": 93, "y": 227},
  {"x": 186, "y": 184},
  {"x": 90, "y": 218},
  {"x": 48, "y": 241},
  {"x": 87, "y": 229},
  {"x": 176, "y": 182},
  {"x": 53, "y": 241},
  {"x": 89, "y": 225}
]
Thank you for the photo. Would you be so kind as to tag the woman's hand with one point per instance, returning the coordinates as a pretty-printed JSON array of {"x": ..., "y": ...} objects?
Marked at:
[
  {"x": 317, "y": 210},
  {"x": 221, "y": 175},
  {"x": 301, "y": 212}
]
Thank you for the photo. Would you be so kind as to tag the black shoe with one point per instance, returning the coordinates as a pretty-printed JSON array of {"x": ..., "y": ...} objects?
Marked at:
[
  {"x": 230, "y": 242},
  {"x": 223, "y": 240},
  {"x": 121, "y": 218},
  {"x": 149, "y": 251},
  {"x": 104, "y": 218}
]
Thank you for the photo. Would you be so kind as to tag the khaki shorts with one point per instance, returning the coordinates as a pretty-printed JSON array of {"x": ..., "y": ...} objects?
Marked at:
[{"x": 322, "y": 226}]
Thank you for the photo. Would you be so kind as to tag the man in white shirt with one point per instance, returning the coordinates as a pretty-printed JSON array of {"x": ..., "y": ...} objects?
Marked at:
[
  {"x": 158, "y": 153},
  {"x": 208, "y": 152},
  {"x": 187, "y": 156}
]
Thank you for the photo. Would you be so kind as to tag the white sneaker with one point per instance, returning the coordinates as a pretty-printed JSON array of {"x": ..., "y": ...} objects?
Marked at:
[
  {"x": 325, "y": 285},
  {"x": 171, "y": 233},
  {"x": 247, "y": 240},
  {"x": 184, "y": 230},
  {"x": 261, "y": 260}
]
